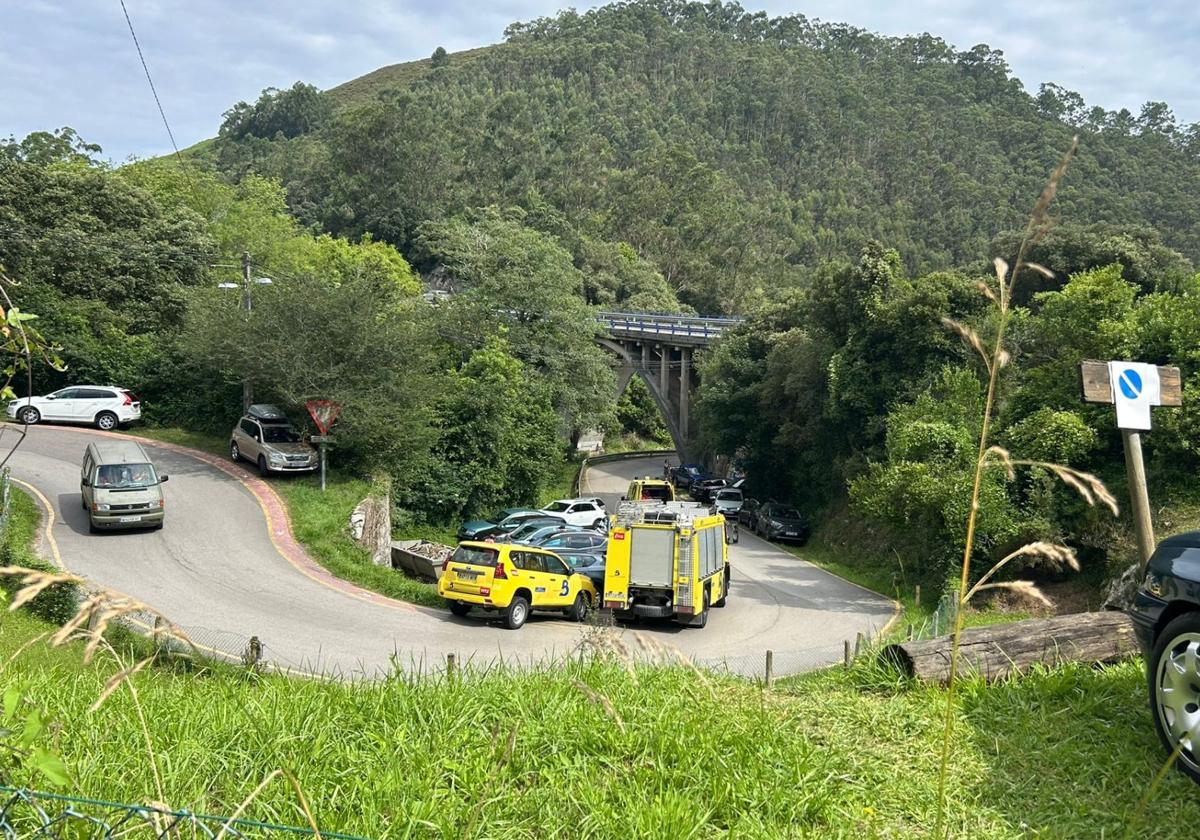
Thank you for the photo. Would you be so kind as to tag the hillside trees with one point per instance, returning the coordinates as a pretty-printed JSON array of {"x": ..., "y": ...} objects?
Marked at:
[{"x": 735, "y": 152}]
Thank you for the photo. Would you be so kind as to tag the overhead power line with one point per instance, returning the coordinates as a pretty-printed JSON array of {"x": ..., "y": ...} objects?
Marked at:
[{"x": 153, "y": 90}]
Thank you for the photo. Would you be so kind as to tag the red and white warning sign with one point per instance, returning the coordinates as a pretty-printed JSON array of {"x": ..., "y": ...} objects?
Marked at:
[{"x": 324, "y": 413}]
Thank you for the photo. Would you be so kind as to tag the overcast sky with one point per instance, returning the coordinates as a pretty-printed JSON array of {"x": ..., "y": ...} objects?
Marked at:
[{"x": 74, "y": 63}]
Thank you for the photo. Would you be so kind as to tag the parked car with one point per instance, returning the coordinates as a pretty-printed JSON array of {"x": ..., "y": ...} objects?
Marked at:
[
  {"x": 704, "y": 489},
  {"x": 581, "y": 540},
  {"x": 531, "y": 533},
  {"x": 265, "y": 437},
  {"x": 480, "y": 529},
  {"x": 1166, "y": 621},
  {"x": 119, "y": 487},
  {"x": 513, "y": 580},
  {"x": 685, "y": 474},
  {"x": 590, "y": 563},
  {"x": 583, "y": 513},
  {"x": 728, "y": 502},
  {"x": 102, "y": 406},
  {"x": 781, "y": 522},
  {"x": 748, "y": 515}
]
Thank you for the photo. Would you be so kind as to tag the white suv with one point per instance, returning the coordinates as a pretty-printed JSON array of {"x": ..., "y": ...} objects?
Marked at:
[
  {"x": 582, "y": 513},
  {"x": 102, "y": 406}
]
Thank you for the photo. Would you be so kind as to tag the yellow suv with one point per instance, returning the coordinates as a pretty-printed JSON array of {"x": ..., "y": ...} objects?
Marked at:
[{"x": 512, "y": 580}]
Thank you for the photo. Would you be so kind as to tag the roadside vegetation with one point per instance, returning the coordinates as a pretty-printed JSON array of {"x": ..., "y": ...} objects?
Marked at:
[{"x": 836, "y": 754}]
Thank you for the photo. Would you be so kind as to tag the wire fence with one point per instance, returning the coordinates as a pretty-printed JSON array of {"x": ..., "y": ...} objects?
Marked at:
[{"x": 34, "y": 815}]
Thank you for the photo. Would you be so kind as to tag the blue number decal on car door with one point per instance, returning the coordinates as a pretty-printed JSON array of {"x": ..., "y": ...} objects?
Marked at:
[{"x": 566, "y": 587}]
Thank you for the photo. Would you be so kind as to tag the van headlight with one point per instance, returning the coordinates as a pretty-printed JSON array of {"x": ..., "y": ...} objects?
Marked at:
[{"x": 102, "y": 507}]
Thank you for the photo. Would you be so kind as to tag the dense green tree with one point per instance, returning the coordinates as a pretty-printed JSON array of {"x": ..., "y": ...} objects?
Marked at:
[{"x": 287, "y": 113}]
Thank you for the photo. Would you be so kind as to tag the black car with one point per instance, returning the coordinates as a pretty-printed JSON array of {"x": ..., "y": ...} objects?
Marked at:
[
  {"x": 1166, "y": 620},
  {"x": 748, "y": 515},
  {"x": 780, "y": 522},
  {"x": 704, "y": 489}
]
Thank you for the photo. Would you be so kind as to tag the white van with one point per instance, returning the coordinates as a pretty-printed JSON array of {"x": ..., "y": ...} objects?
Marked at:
[{"x": 119, "y": 486}]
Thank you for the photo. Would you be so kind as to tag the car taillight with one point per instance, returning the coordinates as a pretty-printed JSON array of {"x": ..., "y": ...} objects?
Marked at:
[
  {"x": 485, "y": 590},
  {"x": 500, "y": 574},
  {"x": 446, "y": 564},
  {"x": 128, "y": 400}
]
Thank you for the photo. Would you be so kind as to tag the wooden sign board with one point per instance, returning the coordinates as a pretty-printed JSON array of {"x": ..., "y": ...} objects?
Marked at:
[{"x": 1097, "y": 388}]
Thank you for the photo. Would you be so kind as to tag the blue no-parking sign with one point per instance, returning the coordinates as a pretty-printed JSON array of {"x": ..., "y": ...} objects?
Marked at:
[{"x": 1135, "y": 388}]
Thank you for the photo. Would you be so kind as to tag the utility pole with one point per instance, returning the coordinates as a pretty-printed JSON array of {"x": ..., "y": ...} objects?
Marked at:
[{"x": 248, "y": 305}]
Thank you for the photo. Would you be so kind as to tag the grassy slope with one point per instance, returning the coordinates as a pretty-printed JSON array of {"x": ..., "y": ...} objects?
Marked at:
[
  {"x": 1067, "y": 753},
  {"x": 393, "y": 76}
]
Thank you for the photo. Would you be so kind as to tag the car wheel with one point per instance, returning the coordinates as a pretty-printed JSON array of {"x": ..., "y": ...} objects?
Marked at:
[
  {"x": 235, "y": 454},
  {"x": 30, "y": 416},
  {"x": 106, "y": 421},
  {"x": 263, "y": 469},
  {"x": 579, "y": 610},
  {"x": 517, "y": 613},
  {"x": 459, "y": 608},
  {"x": 1173, "y": 673},
  {"x": 724, "y": 590}
]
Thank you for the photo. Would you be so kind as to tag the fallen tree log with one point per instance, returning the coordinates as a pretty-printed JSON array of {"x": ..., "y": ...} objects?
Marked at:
[{"x": 996, "y": 651}]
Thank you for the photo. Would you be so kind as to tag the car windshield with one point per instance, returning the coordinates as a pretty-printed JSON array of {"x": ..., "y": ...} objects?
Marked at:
[
  {"x": 125, "y": 476},
  {"x": 657, "y": 493},
  {"x": 279, "y": 434},
  {"x": 557, "y": 507},
  {"x": 785, "y": 513},
  {"x": 475, "y": 556},
  {"x": 730, "y": 496},
  {"x": 528, "y": 530}
]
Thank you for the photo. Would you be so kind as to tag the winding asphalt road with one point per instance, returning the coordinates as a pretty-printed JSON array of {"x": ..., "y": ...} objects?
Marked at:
[{"x": 223, "y": 572}]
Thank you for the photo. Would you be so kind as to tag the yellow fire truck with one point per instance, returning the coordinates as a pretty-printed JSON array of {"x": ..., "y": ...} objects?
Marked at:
[{"x": 666, "y": 560}]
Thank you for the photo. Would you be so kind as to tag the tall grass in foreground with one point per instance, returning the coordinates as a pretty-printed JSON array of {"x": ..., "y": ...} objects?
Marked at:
[
  {"x": 994, "y": 357},
  {"x": 535, "y": 753}
]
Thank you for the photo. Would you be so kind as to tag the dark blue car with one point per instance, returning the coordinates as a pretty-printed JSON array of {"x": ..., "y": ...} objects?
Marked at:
[{"x": 685, "y": 474}]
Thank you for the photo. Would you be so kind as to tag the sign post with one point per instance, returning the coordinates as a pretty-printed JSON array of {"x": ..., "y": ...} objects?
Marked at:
[
  {"x": 324, "y": 413},
  {"x": 1134, "y": 388}
]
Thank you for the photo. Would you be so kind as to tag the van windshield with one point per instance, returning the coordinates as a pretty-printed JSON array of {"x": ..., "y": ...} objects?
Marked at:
[{"x": 125, "y": 476}]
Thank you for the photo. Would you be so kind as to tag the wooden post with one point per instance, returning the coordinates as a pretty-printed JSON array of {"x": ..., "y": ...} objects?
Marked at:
[
  {"x": 917, "y": 594},
  {"x": 846, "y": 652},
  {"x": 859, "y": 644},
  {"x": 770, "y": 668},
  {"x": 1096, "y": 387},
  {"x": 451, "y": 665},
  {"x": 1139, "y": 496}
]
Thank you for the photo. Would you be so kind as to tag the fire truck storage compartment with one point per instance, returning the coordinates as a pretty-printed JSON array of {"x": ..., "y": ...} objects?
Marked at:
[
  {"x": 652, "y": 556},
  {"x": 710, "y": 551}
]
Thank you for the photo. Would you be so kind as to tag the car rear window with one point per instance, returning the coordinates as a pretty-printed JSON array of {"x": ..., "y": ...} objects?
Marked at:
[{"x": 475, "y": 556}]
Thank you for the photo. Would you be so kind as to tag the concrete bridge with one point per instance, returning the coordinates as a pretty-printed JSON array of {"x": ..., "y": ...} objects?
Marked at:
[{"x": 659, "y": 349}]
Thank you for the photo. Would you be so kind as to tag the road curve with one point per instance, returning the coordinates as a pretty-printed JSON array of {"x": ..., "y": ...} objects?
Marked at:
[{"x": 218, "y": 571}]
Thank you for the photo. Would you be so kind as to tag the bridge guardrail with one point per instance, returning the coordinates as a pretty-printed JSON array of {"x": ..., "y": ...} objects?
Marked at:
[{"x": 669, "y": 325}]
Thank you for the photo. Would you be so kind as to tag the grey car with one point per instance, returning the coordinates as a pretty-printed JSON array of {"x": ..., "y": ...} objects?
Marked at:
[
  {"x": 590, "y": 563},
  {"x": 266, "y": 438},
  {"x": 575, "y": 541}
]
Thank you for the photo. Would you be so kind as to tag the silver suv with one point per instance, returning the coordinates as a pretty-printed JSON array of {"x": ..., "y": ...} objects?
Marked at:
[{"x": 265, "y": 437}]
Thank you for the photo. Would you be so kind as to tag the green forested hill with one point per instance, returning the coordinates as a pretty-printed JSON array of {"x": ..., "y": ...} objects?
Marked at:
[{"x": 733, "y": 151}]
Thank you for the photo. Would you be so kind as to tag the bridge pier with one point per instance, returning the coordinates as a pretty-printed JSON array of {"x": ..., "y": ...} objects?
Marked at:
[{"x": 642, "y": 342}]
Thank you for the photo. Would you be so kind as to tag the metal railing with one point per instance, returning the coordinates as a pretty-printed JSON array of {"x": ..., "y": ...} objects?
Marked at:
[{"x": 673, "y": 326}]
